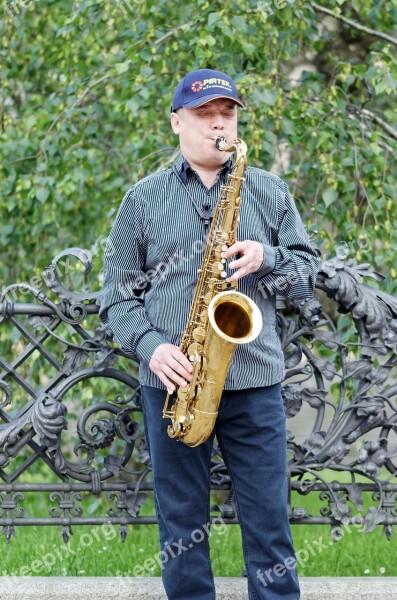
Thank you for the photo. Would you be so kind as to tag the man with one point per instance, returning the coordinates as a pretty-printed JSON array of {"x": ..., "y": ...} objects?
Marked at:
[{"x": 150, "y": 275}]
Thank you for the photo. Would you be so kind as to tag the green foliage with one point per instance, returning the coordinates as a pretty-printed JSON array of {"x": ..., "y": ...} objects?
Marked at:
[{"x": 84, "y": 113}]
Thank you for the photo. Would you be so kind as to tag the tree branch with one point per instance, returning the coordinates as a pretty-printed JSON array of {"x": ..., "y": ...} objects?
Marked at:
[
  {"x": 371, "y": 115},
  {"x": 380, "y": 143},
  {"x": 170, "y": 33},
  {"x": 374, "y": 32}
]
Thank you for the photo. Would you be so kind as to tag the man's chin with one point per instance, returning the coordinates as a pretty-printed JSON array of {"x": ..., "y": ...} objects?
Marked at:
[
  {"x": 217, "y": 157},
  {"x": 220, "y": 157}
]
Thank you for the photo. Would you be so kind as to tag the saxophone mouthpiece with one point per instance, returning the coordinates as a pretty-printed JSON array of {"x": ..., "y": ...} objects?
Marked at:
[{"x": 220, "y": 142}]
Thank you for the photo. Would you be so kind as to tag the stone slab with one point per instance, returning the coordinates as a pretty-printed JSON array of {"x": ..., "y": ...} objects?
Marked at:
[{"x": 150, "y": 588}]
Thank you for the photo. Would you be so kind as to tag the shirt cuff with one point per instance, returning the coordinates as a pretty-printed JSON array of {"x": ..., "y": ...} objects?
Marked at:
[
  {"x": 269, "y": 261},
  {"x": 148, "y": 344}
]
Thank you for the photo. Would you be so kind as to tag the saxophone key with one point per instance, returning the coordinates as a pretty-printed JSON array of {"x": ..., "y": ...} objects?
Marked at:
[
  {"x": 199, "y": 334},
  {"x": 203, "y": 316},
  {"x": 207, "y": 298},
  {"x": 194, "y": 351}
]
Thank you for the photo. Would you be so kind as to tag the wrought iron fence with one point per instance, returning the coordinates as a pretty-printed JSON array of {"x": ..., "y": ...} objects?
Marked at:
[{"x": 72, "y": 431}]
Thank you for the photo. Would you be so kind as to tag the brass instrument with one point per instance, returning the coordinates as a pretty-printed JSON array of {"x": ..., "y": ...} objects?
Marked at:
[{"x": 220, "y": 318}]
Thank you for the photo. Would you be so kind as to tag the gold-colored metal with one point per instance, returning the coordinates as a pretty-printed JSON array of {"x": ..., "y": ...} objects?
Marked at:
[{"x": 220, "y": 318}]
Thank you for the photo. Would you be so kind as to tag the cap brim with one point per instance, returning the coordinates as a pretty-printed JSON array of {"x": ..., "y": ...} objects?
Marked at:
[{"x": 200, "y": 101}]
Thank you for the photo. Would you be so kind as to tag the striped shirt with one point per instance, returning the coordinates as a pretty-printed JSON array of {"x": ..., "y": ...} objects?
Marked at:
[{"x": 156, "y": 246}]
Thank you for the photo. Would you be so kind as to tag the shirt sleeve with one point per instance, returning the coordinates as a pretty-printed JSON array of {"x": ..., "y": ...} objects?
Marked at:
[
  {"x": 290, "y": 267},
  {"x": 122, "y": 306}
]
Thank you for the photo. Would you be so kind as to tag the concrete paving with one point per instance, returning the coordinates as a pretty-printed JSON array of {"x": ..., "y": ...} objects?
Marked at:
[{"x": 150, "y": 588}]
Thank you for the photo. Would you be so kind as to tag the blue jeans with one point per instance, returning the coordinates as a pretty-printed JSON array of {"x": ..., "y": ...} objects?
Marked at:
[{"x": 250, "y": 429}]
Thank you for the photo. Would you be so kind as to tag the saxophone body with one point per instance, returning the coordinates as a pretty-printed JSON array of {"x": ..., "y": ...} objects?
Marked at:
[{"x": 220, "y": 318}]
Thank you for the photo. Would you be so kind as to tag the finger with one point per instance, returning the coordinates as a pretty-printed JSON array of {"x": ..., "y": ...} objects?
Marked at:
[
  {"x": 241, "y": 262},
  {"x": 182, "y": 360},
  {"x": 168, "y": 384},
  {"x": 174, "y": 377},
  {"x": 238, "y": 274},
  {"x": 229, "y": 251},
  {"x": 180, "y": 369},
  {"x": 234, "y": 249}
]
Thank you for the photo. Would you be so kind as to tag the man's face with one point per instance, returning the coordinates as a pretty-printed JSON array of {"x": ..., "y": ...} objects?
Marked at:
[{"x": 198, "y": 127}]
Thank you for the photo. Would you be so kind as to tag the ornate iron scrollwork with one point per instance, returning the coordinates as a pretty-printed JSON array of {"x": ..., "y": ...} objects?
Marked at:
[
  {"x": 79, "y": 413},
  {"x": 346, "y": 378}
]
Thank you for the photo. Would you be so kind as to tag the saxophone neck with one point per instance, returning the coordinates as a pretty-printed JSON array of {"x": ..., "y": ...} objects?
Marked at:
[{"x": 239, "y": 147}]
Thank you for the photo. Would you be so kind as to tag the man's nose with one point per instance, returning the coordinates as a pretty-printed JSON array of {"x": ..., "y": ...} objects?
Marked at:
[{"x": 218, "y": 122}]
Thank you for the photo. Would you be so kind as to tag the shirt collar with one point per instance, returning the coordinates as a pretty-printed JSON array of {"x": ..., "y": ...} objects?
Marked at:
[{"x": 182, "y": 167}]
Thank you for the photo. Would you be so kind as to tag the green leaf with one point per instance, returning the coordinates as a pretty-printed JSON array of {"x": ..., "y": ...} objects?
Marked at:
[
  {"x": 42, "y": 194},
  {"x": 122, "y": 67},
  {"x": 239, "y": 23},
  {"x": 133, "y": 105},
  {"x": 268, "y": 97},
  {"x": 329, "y": 196},
  {"x": 213, "y": 18},
  {"x": 288, "y": 126}
]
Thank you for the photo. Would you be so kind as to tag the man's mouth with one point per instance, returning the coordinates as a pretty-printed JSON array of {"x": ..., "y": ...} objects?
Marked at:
[{"x": 216, "y": 137}]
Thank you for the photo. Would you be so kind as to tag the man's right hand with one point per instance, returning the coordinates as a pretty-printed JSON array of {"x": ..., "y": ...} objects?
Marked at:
[{"x": 171, "y": 366}]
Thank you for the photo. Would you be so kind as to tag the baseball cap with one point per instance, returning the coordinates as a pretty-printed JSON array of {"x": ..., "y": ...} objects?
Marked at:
[{"x": 199, "y": 87}]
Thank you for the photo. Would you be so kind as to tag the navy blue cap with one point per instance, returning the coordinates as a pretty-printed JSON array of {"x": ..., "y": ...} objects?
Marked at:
[{"x": 199, "y": 87}]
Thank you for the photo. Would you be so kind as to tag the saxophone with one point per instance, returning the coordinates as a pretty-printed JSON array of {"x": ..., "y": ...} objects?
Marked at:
[{"x": 220, "y": 318}]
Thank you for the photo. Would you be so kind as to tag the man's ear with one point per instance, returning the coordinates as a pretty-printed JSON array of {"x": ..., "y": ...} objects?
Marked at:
[{"x": 175, "y": 123}]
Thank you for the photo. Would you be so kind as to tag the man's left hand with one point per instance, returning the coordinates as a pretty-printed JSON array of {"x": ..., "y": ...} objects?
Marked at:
[{"x": 250, "y": 260}]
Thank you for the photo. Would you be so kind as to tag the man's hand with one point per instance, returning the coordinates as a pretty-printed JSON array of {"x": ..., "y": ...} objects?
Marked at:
[
  {"x": 250, "y": 260},
  {"x": 171, "y": 366}
]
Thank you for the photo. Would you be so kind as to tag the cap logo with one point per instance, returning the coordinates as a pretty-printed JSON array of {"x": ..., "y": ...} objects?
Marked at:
[
  {"x": 217, "y": 83},
  {"x": 197, "y": 86}
]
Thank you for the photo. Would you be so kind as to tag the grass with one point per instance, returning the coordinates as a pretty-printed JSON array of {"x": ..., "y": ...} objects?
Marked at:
[{"x": 98, "y": 551}]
